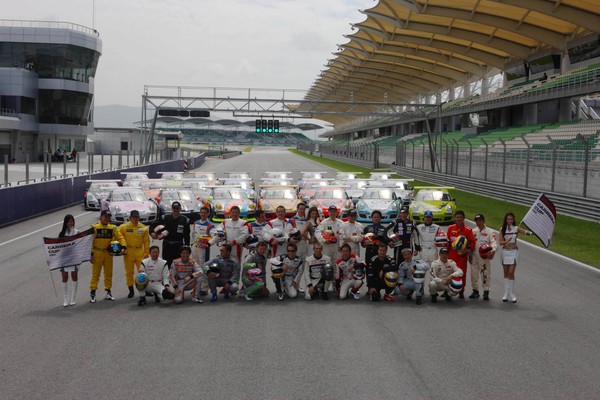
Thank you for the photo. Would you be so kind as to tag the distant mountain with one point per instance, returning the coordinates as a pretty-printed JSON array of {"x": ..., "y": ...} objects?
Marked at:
[{"x": 116, "y": 116}]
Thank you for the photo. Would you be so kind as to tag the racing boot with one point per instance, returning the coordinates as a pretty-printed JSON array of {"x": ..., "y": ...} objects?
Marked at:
[
  {"x": 131, "y": 294},
  {"x": 434, "y": 298},
  {"x": 92, "y": 296},
  {"x": 461, "y": 295},
  {"x": 447, "y": 297},
  {"x": 475, "y": 294},
  {"x": 108, "y": 296},
  {"x": 156, "y": 298},
  {"x": 142, "y": 301},
  {"x": 486, "y": 295},
  {"x": 419, "y": 300}
]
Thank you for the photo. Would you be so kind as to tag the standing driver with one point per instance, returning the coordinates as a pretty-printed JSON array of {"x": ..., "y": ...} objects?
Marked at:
[{"x": 178, "y": 227}]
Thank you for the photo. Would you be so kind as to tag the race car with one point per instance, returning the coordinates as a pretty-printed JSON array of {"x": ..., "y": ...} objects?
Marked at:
[
  {"x": 238, "y": 175},
  {"x": 225, "y": 197},
  {"x": 346, "y": 176},
  {"x": 310, "y": 176},
  {"x": 355, "y": 188},
  {"x": 171, "y": 176},
  {"x": 380, "y": 176},
  {"x": 133, "y": 178},
  {"x": 277, "y": 182},
  {"x": 210, "y": 177},
  {"x": 435, "y": 199},
  {"x": 151, "y": 187},
  {"x": 201, "y": 189},
  {"x": 121, "y": 201},
  {"x": 98, "y": 191},
  {"x": 190, "y": 204},
  {"x": 400, "y": 186},
  {"x": 310, "y": 187},
  {"x": 273, "y": 196},
  {"x": 277, "y": 174},
  {"x": 328, "y": 196},
  {"x": 378, "y": 198}
]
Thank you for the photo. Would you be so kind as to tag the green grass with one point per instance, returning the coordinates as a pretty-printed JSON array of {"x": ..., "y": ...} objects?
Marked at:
[{"x": 572, "y": 237}]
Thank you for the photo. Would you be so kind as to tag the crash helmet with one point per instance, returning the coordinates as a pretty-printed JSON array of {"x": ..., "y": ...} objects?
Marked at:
[
  {"x": 368, "y": 239},
  {"x": 115, "y": 248},
  {"x": 252, "y": 270},
  {"x": 295, "y": 234},
  {"x": 222, "y": 235},
  {"x": 441, "y": 240},
  {"x": 460, "y": 243},
  {"x": 276, "y": 267},
  {"x": 359, "y": 271},
  {"x": 455, "y": 286},
  {"x": 277, "y": 233},
  {"x": 329, "y": 236},
  {"x": 485, "y": 250},
  {"x": 395, "y": 239},
  {"x": 327, "y": 272},
  {"x": 141, "y": 281},
  {"x": 418, "y": 276},
  {"x": 215, "y": 268},
  {"x": 160, "y": 231},
  {"x": 202, "y": 239},
  {"x": 252, "y": 240},
  {"x": 391, "y": 279}
]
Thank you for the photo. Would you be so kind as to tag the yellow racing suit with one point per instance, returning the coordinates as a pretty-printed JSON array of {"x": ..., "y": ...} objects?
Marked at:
[
  {"x": 103, "y": 235},
  {"x": 138, "y": 248}
]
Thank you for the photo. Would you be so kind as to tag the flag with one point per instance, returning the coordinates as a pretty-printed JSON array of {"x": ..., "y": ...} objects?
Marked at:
[
  {"x": 541, "y": 219},
  {"x": 68, "y": 251}
]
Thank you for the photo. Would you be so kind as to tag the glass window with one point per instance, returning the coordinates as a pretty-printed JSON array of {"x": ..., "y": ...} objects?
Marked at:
[{"x": 64, "y": 107}]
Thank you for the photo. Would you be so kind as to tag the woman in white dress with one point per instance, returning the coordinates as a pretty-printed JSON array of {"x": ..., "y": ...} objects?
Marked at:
[
  {"x": 510, "y": 254},
  {"x": 68, "y": 229}
]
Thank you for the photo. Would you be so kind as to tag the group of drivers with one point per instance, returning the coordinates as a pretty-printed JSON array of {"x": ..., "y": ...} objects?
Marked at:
[{"x": 303, "y": 254}]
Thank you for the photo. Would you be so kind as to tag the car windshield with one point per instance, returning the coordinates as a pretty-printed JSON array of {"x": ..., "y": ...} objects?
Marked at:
[
  {"x": 382, "y": 194},
  {"x": 178, "y": 195},
  {"x": 235, "y": 194},
  {"x": 279, "y": 194},
  {"x": 136, "y": 177},
  {"x": 239, "y": 176},
  {"x": 134, "y": 195},
  {"x": 197, "y": 185},
  {"x": 208, "y": 177},
  {"x": 432, "y": 195},
  {"x": 202, "y": 193},
  {"x": 102, "y": 187},
  {"x": 330, "y": 194},
  {"x": 172, "y": 176}
]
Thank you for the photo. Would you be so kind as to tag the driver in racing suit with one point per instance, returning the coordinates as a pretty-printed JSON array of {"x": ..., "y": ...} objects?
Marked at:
[
  {"x": 482, "y": 266},
  {"x": 424, "y": 239},
  {"x": 352, "y": 232},
  {"x": 236, "y": 231},
  {"x": 312, "y": 273},
  {"x": 281, "y": 222},
  {"x": 256, "y": 286},
  {"x": 292, "y": 273},
  {"x": 159, "y": 280},
  {"x": 403, "y": 227},
  {"x": 406, "y": 284},
  {"x": 184, "y": 275},
  {"x": 138, "y": 246},
  {"x": 298, "y": 221},
  {"x": 328, "y": 234},
  {"x": 343, "y": 274}
]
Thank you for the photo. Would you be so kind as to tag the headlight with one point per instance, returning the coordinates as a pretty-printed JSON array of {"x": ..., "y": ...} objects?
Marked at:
[
  {"x": 90, "y": 197},
  {"x": 251, "y": 206},
  {"x": 448, "y": 208},
  {"x": 218, "y": 206},
  {"x": 347, "y": 205},
  {"x": 361, "y": 206}
]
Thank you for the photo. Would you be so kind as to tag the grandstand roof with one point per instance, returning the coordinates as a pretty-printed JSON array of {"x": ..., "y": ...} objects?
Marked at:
[{"x": 408, "y": 48}]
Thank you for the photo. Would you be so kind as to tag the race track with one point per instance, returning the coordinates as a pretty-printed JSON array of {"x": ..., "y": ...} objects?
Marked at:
[{"x": 544, "y": 347}]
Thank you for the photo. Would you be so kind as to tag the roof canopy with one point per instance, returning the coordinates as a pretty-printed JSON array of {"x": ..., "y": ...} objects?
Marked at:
[{"x": 409, "y": 48}]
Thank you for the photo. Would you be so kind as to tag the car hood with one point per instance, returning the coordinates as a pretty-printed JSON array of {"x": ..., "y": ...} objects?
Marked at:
[
  {"x": 186, "y": 205},
  {"x": 378, "y": 204},
  {"x": 430, "y": 205},
  {"x": 128, "y": 206},
  {"x": 290, "y": 205}
]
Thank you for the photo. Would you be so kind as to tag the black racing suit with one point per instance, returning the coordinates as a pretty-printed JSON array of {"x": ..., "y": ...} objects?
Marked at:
[
  {"x": 405, "y": 230},
  {"x": 179, "y": 235},
  {"x": 380, "y": 231},
  {"x": 375, "y": 267}
]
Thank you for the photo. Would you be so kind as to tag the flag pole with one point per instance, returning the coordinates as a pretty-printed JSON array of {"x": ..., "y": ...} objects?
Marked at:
[{"x": 53, "y": 285}]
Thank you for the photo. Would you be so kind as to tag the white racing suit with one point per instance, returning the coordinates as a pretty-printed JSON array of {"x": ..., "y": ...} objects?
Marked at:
[
  {"x": 354, "y": 232},
  {"x": 236, "y": 232},
  {"x": 424, "y": 241},
  {"x": 343, "y": 275},
  {"x": 330, "y": 249},
  {"x": 312, "y": 274},
  {"x": 293, "y": 271},
  {"x": 259, "y": 230},
  {"x": 199, "y": 231},
  {"x": 157, "y": 273},
  {"x": 439, "y": 271},
  {"x": 278, "y": 245},
  {"x": 181, "y": 270},
  {"x": 481, "y": 266}
]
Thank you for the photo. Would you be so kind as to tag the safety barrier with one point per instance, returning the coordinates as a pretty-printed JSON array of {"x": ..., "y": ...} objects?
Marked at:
[{"x": 27, "y": 201}]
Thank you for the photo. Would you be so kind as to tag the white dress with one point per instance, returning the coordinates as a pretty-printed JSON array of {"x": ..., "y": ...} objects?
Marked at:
[
  {"x": 70, "y": 232},
  {"x": 510, "y": 256}
]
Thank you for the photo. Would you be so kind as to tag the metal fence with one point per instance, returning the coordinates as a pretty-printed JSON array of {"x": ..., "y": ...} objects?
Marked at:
[
  {"x": 362, "y": 154},
  {"x": 552, "y": 168}
]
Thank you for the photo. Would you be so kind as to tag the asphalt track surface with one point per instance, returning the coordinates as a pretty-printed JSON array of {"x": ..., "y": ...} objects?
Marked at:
[{"x": 544, "y": 347}]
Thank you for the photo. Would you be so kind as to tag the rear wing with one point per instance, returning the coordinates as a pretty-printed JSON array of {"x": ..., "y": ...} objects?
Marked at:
[
  {"x": 434, "y": 187},
  {"x": 103, "y": 180}
]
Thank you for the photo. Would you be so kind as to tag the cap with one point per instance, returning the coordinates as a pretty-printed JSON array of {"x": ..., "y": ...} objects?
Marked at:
[
  {"x": 444, "y": 250},
  {"x": 134, "y": 213},
  {"x": 176, "y": 204},
  {"x": 428, "y": 213},
  {"x": 353, "y": 212},
  {"x": 105, "y": 212},
  {"x": 404, "y": 209},
  {"x": 332, "y": 207},
  {"x": 406, "y": 250},
  {"x": 479, "y": 216}
]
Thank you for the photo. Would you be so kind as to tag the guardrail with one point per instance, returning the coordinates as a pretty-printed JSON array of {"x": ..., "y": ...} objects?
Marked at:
[{"x": 574, "y": 206}]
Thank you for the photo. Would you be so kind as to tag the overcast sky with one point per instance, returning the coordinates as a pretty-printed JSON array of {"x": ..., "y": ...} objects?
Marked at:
[{"x": 234, "y": 43}]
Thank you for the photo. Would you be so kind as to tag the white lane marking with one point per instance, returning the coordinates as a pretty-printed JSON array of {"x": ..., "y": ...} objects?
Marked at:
[{"x": 41, "y": 229}]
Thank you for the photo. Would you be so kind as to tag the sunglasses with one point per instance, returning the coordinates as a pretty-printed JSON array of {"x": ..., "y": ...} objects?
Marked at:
[{"x": 291, "y": 251}]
